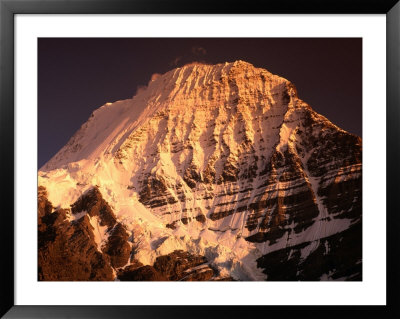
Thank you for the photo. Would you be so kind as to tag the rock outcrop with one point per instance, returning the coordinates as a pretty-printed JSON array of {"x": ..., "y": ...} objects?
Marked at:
[
  {"x": 337, "y": 257},
  {"x": 67, "y": 250},
  {"x": 145, "y": 273},
  {"x": 176, "y": 266}
]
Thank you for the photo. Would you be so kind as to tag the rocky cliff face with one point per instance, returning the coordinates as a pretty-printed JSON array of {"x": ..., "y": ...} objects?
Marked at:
[
  {"x": 225, "y": 161},
  {"x": 70, "y": 249},
  {"x": 66, "y": 248}
]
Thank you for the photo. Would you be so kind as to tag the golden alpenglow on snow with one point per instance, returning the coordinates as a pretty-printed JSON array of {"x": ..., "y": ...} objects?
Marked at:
[{"x": 226, "y": 175}]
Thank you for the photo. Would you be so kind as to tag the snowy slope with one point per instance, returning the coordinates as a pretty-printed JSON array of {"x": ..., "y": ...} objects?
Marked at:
[{"x": 225, "y": 161}]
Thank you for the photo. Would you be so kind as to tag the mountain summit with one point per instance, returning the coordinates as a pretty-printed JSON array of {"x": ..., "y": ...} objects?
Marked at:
[{"x": 224, "y": 162}]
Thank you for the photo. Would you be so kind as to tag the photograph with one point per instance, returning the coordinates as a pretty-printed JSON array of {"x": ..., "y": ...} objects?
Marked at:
[
  {"x": 199, "y": 159},
  {"x": 174, "y": 159}
]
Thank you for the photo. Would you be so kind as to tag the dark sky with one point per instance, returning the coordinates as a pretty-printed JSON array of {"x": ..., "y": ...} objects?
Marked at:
[{"x": 78, "y": 75}]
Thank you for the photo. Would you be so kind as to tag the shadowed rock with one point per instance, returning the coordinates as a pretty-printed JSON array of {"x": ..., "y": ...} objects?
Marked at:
[
  {"x": 117, "y": 246},
  {"x": 174, "y": 265},
  {"x": 67, "y": 250},
  {"x": 337, "y": 257},
  {"x": 178, "y": 265},
  {"x": 145, "y": 273},
  {"x": 93, "y": 203}
]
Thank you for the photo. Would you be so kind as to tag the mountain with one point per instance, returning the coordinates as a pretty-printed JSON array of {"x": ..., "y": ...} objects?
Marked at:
[{"x": 226, "y": 171}]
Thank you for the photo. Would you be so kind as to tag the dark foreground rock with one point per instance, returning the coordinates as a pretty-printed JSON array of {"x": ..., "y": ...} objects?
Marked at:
[
  {"x": 145, "y": 273},
  {"x": 67, "y": 250},
  {"x": 337, "y": 257},
  {"x": 178, "y": 265},
  {"x": 93, "y": 203},
  {"x": 200, "y": 273},
  {"x": 117, "y": 246}
]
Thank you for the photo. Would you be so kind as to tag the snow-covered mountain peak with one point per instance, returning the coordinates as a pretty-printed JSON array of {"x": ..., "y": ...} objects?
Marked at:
[
  {"x": 222, "y": 159},
  {"x": 181, "y": 90}
]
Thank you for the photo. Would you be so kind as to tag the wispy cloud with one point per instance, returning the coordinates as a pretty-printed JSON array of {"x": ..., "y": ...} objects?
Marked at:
[
  {"x": 196, "y": 53},
  {"x": 140, "y": 89},
  {"x": 197, "y": 50},
  {"x": 175, "y": 61}
]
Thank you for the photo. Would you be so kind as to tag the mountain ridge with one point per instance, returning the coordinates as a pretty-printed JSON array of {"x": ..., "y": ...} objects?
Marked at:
[{"x": 227, "y": 154}]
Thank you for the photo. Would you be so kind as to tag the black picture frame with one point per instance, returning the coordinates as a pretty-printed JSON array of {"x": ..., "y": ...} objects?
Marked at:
[{"x": 8, "y": 10}]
